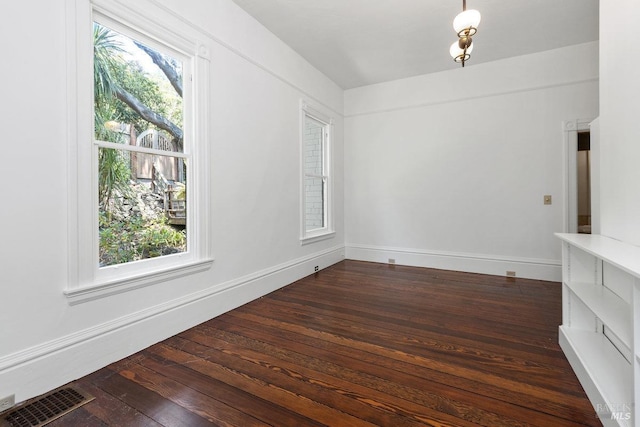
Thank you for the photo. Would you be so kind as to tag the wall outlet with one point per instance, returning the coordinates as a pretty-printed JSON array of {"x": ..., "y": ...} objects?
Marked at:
[
  {"x": 316, "y": 268},
  {"x": 511, "y": 274},
  {"x": 7, "y": 402},
  {"x": 392, "y": 260}
]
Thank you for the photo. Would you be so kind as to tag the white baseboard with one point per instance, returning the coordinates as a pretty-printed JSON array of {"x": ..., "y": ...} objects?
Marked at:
[
  {"x": 42, "y": 368},
  {"x": 541, "y": 269}
]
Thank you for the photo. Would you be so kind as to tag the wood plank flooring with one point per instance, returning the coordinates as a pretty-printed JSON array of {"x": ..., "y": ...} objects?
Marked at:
[{"x": 357, "y": 344}]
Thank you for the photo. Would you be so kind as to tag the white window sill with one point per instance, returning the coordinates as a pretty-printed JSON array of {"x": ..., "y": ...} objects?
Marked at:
[
  {"x": 101, "y": 290},
  {"x": 317, "y": 237}
]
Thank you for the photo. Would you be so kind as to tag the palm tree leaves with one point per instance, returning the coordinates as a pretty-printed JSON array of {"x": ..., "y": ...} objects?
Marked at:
[{"x": 106, "y": 50}]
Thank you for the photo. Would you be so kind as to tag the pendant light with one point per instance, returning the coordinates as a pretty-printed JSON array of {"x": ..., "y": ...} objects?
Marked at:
[{"x": 466, "y": 26}]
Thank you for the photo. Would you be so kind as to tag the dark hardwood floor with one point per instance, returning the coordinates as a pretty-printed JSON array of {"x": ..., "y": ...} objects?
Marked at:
[{"x": 358, "y": 344}]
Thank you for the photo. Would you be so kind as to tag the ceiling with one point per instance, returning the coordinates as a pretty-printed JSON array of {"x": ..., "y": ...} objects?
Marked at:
[{"x": 361, "y": 42}]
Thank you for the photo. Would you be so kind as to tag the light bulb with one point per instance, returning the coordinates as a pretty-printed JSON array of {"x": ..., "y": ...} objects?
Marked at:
[
  {"x": 456, "y": 51},
  {"x": 468, "y": 18}
]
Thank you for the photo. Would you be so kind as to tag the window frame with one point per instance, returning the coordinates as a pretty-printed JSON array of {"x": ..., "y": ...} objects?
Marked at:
[
  {"x": 317, "y": 114},
  {"x": 143, "y": 21}
]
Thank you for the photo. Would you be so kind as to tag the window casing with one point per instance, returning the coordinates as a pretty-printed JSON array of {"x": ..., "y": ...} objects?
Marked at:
[
  {"x": 316, "y": 222},
  {"x": 143, "y": 22}
]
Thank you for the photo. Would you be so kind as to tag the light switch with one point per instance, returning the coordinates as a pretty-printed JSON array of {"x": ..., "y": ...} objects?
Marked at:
[{"x": 547, "y": 199}]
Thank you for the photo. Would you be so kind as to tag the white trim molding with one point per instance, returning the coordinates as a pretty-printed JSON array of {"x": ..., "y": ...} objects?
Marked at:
[
  {"x": 453, "y": 100},
  {"x": 44, "y": 367},
  {"x": 78, "y": 295},
  {"x": 529, "y": 268},
  {"x": 236, "y": 48}
]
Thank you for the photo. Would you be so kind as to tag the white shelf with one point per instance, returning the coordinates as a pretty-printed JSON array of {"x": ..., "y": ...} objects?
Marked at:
[
  {"x": 622, "y": 255},
  {"x": 606, "y": 376},
  {"x": 601, "y": 285},
  {"x": 607, "y": 306}
]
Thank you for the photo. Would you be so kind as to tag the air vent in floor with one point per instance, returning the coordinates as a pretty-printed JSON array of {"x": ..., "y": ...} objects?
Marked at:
[{"x": 46, "y": 408}]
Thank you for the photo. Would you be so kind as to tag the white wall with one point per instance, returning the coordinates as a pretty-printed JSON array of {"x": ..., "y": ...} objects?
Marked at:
[
  {"x": 256, "y": 86},
  {"x": 449, "y": 170},
  {"x": 619, "y": 130}
]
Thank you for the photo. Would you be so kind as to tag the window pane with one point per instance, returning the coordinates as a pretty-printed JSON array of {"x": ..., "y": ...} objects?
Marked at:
[
  {"x": 313, "y": 146},
  {"x": 138, "y": 102},
  {"x": 139, "y": 218},
  {"x": 314, "y": 203},
  {"x": 137, "y": 93}
]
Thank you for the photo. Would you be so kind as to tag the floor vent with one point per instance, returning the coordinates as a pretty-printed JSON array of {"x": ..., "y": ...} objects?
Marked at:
[{"x": 46, "y": 408}]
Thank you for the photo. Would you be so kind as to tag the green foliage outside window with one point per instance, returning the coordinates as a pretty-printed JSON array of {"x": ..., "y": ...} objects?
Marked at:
[
  {"x": 126, "y": 92},
  {"x": 136, "y": 238}
]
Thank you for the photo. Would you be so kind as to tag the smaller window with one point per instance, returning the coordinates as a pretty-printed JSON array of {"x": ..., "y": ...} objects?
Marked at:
[{"x": 316, "y": 221}]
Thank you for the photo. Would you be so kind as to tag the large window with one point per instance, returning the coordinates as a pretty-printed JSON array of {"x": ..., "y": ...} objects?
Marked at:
[
  {"x": 139, "y": 133},
  {"x": 316, "y": 220},
  {"x": 138, "y": 146}
]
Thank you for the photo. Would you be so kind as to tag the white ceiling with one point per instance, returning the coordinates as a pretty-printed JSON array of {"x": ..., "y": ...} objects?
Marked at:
[{"x": 361, "y": 42}]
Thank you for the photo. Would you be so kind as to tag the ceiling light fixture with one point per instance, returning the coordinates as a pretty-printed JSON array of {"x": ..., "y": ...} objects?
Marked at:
[{"x": 466, "y": 25}]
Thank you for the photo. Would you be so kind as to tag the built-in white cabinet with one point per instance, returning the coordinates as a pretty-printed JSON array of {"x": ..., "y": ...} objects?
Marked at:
[{"x": 600, "y": 311}]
